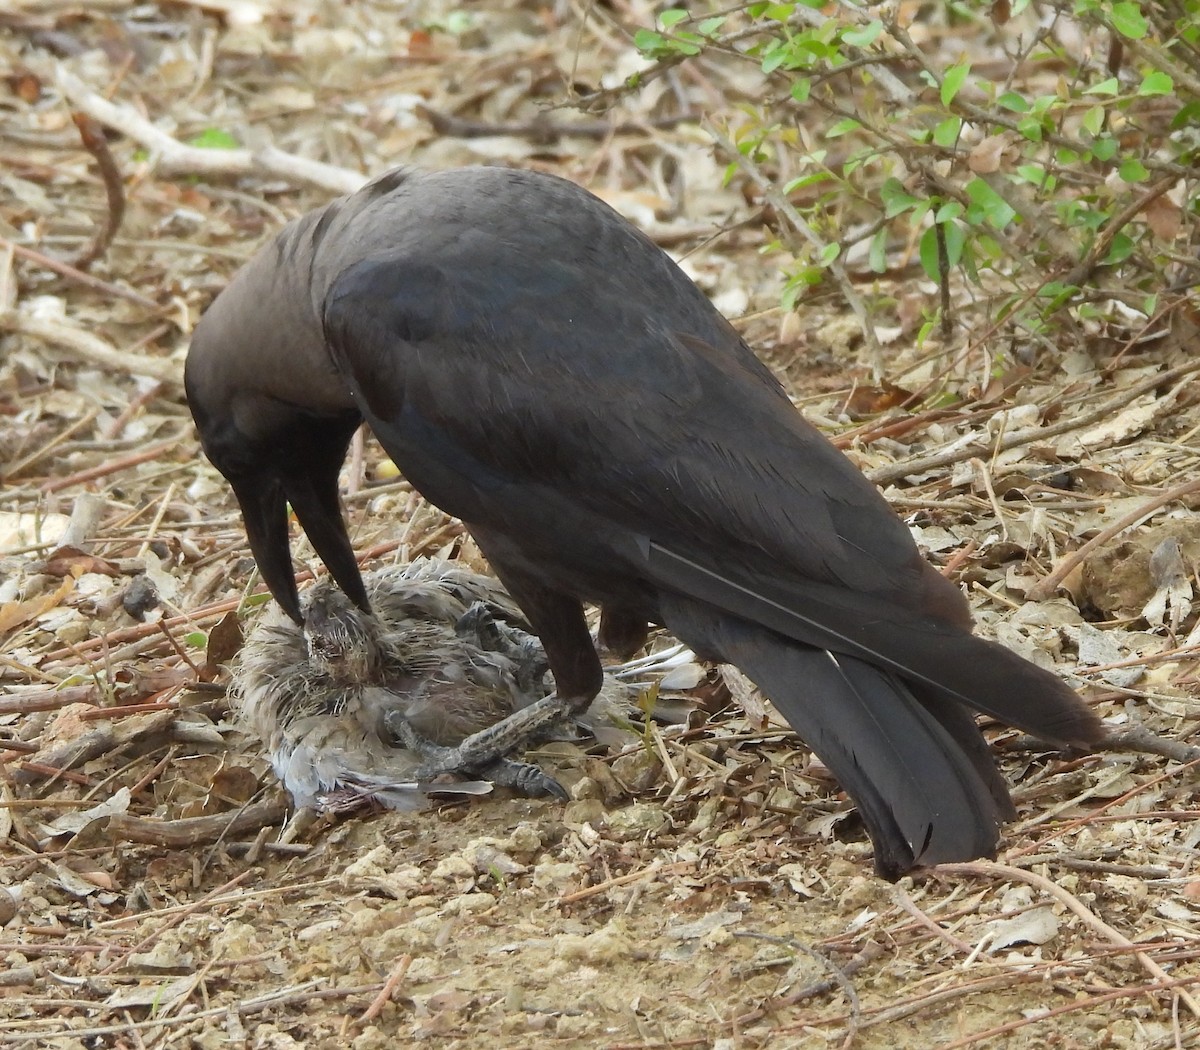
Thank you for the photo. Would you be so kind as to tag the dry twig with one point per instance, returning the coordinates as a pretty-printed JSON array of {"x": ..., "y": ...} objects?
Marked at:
[{"x": 170, "y": 156}]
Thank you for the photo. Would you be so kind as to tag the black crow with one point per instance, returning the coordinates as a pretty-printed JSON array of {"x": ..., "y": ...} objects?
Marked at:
[{"x": 538, "y": 368}]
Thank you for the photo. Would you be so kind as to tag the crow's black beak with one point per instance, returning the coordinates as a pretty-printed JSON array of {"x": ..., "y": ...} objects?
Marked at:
[
  {"x": 264, "y": 511},
  {"x": 315, "y": 501},
  {"x": 314, "y": 498}
]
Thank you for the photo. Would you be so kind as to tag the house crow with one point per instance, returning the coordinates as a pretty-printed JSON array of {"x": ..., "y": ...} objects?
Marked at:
[{"x": 539, "y": 369}]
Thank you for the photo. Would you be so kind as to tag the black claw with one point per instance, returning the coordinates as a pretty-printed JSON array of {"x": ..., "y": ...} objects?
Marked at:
[
  {"x": 478, "y": 625},
  {"x": 527, "y": 779}
]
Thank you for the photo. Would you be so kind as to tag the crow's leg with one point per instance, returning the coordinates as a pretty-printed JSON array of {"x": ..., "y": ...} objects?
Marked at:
[
  {"x": 556, "y": 618},
  {"x": 485, "y": 754},
  {"x": 623, "y": 631}
]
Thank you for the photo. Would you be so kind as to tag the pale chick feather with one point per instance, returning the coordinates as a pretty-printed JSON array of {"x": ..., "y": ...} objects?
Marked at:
[{"x": 322, "y": 721}]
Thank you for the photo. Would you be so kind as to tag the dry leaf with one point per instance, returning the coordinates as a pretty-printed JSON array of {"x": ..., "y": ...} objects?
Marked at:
[
  {"x": 14, "y": 614},
  {"x": 985, "y": 158},
  {"x": 1164, "y": 217},
  {"x": 1036, "y": 926},
  {"x": 871, "y": 400},
  {"x": 224, "y": 643},
  {"x": 71, "y": 561},
  {"x": 746, "y": 695}
]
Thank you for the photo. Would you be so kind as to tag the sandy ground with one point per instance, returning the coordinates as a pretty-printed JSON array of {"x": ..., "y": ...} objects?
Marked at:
[{"x": 708, "y": 886}]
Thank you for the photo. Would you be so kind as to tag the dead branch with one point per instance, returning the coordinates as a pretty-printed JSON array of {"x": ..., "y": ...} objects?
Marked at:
[
  {"x": 1044, "y": 588},
  {"x": 197, "y": 831},
  {"x": 97, "y": 145},
  {"x": 1015, "y": 438},
  {"x": 171, "y": 156},
  {"x": 991, "y": 869},
  {"x": 90, "y": 348},
  {"x": 72, "y": 273}
]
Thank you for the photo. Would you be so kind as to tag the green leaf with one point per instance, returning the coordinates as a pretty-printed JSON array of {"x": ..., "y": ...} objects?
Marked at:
[
  {"x": 807, "y": 180},
  {"x": 929, "y": 254},
  {"x": 988, "y": 205},
  {"x": 1010, "y": 100},
  {"x": 1031, "y": 128},
  {"x": 829, "y": 253},
  {"x": 1133, "y": 170},
  {"x": 214, "y": 138},
  {"x": 1189, "y": 113},
  {"x": 196, "y": 639},
  {"x": 801, "y": 89},
  {"x": 1104, "y": 148},
  {"x": 1037, "y": 176},
  {"x": 949, "y": 210},
  {"x": 946, "y": 133},
  {"x": 648, "y": 42},
  {"x": 671, "y": 16},
  {"x": 1093, "y": 120},
  {"x": 1156, "y": 83},
  {"x": 956, "y": 240},
  {"x": 1111, "y": 86},
  {"x": 863, "y": 36},
  {"x": 842, "y": 127},
  {"x": 773, "y": 60},
  {"x": 896, "y": 199},
  {"x": 1121, "y": 249},
  {"x": 953, "y": 81},
  {"x": 1056, "y": 294},
  {"x": 877, "y": 256},
  {"x": 1128, "y": 20}
]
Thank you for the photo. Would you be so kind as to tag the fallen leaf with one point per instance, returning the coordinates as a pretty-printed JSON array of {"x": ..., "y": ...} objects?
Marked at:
[
  {"x": 1036, "y": 926},
  {"x": 224, "y": 643},
  {"x": 14, "y": 614},
  {"x": 71, "y": 561},
  {"x": 985, "y": 157}
]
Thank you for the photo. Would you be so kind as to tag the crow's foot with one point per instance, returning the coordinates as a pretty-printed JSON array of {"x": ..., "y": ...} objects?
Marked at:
[
  {"x": 486, "y": 753},
  {"x": 524, "y": 778}
]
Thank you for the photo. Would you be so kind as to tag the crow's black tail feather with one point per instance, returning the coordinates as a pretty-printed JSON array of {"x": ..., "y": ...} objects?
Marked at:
[{"x": 916, "y": 766}]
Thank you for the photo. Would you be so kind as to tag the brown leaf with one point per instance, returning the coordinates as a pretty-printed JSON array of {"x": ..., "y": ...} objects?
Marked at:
[
  {"x": 1164, "y": 217},
  {"x": 235, "y": 784},
  {"x": 224, "y": 643},
  {"x": 985, "y": 158},
  {"x": 13, "y": 614},
  {"x": 71, "y": 561},
  {"x": 420, "y": 43},
  {"x": 25, "y": 85},
  {"x": 871, "y": 400}
]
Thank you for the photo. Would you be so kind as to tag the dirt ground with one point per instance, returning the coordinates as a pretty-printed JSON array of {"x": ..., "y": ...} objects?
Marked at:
[{"x": 707, "y": 886}]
